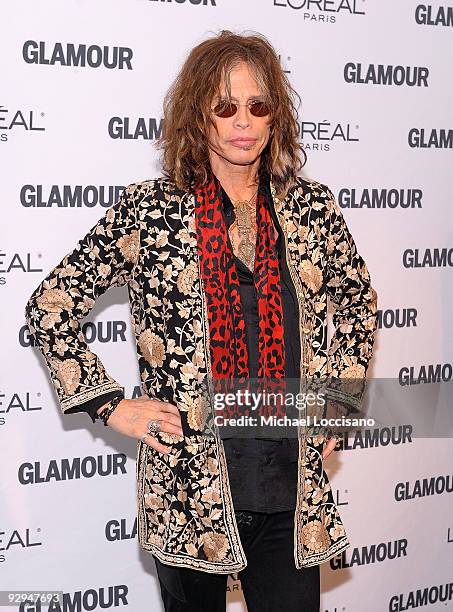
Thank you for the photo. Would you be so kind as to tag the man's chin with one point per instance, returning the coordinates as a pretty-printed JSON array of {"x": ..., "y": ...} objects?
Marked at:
[
  {"x": 245, "y": 158},
  {"x": 238, "y": 157}
]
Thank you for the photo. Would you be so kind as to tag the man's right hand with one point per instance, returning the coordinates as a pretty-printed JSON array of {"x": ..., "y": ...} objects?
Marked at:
[{"x": 131, "y": 418}]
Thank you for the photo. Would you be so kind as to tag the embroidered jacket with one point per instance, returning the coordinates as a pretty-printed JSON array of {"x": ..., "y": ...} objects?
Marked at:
[{"x": 147, "y": 240}]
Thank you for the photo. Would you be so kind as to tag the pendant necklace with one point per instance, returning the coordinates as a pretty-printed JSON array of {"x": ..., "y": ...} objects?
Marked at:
[{"x": 245, "y": 212}]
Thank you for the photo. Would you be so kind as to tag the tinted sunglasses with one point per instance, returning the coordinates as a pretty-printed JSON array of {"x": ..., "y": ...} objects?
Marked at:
[{"x": 228, "y": 109}]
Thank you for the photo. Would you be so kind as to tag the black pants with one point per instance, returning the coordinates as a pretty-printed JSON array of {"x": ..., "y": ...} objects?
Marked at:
[{"x": 270, "y": 582}]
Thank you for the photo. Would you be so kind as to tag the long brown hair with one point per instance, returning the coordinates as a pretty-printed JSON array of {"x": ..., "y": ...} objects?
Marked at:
[{"x": 187, "y": 114}]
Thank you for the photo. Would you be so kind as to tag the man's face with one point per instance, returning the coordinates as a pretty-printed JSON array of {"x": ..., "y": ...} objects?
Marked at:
[{"x": 239, "y": 139}]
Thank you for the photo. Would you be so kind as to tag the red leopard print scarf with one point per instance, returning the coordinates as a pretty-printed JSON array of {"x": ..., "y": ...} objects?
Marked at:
[{"x": 220, "y": 281}]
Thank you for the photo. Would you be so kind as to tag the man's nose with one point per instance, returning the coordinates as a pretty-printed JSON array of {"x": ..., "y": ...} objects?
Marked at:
[{"x": 242, "y": 117}]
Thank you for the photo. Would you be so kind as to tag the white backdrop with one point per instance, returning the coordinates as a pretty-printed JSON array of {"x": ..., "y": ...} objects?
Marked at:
[{"x": 361, "y": 132}]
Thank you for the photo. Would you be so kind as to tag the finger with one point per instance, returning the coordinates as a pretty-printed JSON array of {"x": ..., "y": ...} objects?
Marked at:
[
  {"x": 171, "y": 428},
  {"x": 328, "y": 448},
  {"x": 166, "y": 417},
  {"x": 167, "y": 407},
  {"x": 153, "y": 443},
  {"x": 330, "y": 445}
]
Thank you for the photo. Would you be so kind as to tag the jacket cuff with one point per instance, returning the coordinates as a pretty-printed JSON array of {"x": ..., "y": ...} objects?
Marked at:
[{"x": 91, "y": 406}]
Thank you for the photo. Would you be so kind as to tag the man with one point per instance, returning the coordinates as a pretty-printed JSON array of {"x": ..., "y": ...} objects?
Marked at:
[{"x": 229, "y": 261}]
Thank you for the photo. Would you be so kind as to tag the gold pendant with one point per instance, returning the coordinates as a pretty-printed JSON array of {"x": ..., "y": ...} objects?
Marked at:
[{"x": 247, "y": 243}]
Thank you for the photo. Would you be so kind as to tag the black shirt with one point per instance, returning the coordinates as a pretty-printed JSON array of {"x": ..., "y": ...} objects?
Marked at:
[{"x": 263, "y": 471}]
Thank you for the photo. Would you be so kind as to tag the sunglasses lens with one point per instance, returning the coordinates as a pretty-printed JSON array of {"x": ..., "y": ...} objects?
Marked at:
[
  {"x": 228, "y": 109},
  {"x": 259, "y": 109},
  {"x": 225, "y": 110}
]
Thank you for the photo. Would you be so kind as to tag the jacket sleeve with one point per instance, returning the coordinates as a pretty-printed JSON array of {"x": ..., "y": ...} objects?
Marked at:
[
  {"x": 105, "y": 257},
  {"x": 354, "y": 317}
]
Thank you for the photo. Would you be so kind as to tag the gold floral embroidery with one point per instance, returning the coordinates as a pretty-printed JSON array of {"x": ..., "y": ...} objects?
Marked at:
[
  {"x": 215, "y": 545},
  {"x": 153, "y": 501},
  {"x": 104, "y": 270},
  {"x": 152, "y": 348},
  {"x": 49, "y": 320},
  {"x": 311, "y": 275},
  {"x": 68, "y": 270},
  {"x": 186, "y": 279},
  {"x": 55, "y": 301},
  {"x": 337, "y": 532},
  {"x": 315, "y": 536},
  {"x": 69, "y": 374},
  {"x": 169, "y": 438},
  {"x": 156, "y": 540},
  {"x": 316, "y": 364},
  {"x": 355, "y": 370},
  {"x": 197, "y": 413},
  {"x": 129, "y": 246}
]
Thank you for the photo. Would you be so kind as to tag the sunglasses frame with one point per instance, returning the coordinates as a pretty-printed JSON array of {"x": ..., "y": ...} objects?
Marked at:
[{"x": 236, "y": 106}]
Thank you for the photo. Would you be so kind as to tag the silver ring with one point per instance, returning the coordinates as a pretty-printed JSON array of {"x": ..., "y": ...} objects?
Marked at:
[
  {"x": 153, "y": 426},
  {"x": 142, "y": 438}
]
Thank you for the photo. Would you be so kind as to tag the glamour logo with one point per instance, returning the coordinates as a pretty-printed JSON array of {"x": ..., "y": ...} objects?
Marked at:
[
  {"x": 426, "y": 374},
  {"x": 18, "y": 120},
  {"x": 424, "y": 487},
  {"x": 147, "y": 128},
  {"x": 72, "y": 469},
  {"x": 118, "y": 530},
  {"x": 425, "y": 14},
  {"x": 323, "y": 11},
  {"x": 380, "y": 198},
  {"x": 372, "y": 438},
  {"x": 136, "y": 392},
  {"x": 78, "y": 601},
  {"x": 419, "y": 138},
  {"x": 318, "y": 136},
  {"x": 429, "y": 258},
  {"x": 102, "y": 331},
  {"x": 69, "y": 196},
  {"x": 374, "y": 553},
  {"x": 399, "y": 317},
  {"x": 18, "y": 402},
  {"x": 421, "y": 597},
  {"x": 105, "y": 331},
  {"x": 68, "y": 54},
  {"x": 379, "y": 74}
]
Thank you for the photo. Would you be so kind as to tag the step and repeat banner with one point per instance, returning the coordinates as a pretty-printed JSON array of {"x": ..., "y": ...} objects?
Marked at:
[{"x": 82, "y": 84}]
